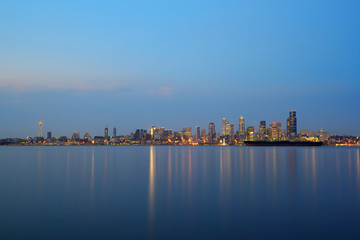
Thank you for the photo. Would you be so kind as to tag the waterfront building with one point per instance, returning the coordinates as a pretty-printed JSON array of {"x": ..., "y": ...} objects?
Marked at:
[
  {"x": 230, "y": 129},
  {"x": 223, "y": 126},
  {"x": 250, "y": 133},
  {"x": 197, "y": 132},
  {"x": 212, "y": 132},
  {"x": 262, "y": 130},
  {"x": 291, "y": 125},
  {"x": 187, "y": 132},
  {"x": 241, "y": 129},
  {"x": 48, "y": 135},
  {"x": 114, "y": 132},
  {"x": 275, "y": 131},
  {"x": 203, "y": 133},
  {"x": 139, "y": 135},
  {"x": 158, "y": 133},
  {"x": 152, "y": 131}
]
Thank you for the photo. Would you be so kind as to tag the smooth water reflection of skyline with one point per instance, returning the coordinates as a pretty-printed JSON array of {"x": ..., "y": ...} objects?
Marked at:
[{"x": 154, "y": 191}]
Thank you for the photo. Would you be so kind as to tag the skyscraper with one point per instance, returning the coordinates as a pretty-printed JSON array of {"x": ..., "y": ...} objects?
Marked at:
[
  {"x": 187, "y": 131},
  {"x": 203, "y": 133},
  {"x": 250, "y": 133},
  {"x": 197, "y": 132},
  {"x": 106, "y": 134},
  {"x": 291, "y": 124},
  {"x": 152, "y": 131},
  {"x": 229, "y": 129},
  {"x": 275, "y": 131},
  {"x": 262, "y": 130},
  {"x": 212, "y": 133},
  {"x": 114, "y": 132},
  {"x": 223, "y": 126},
  {"x": 241, "y": 129}
]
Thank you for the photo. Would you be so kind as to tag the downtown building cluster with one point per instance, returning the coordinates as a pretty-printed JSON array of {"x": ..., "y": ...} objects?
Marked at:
[{"x": 273, "y": 132}]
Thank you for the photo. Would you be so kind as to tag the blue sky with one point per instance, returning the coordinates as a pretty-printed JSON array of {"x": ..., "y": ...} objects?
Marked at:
[{"x": 84, "y": 65}]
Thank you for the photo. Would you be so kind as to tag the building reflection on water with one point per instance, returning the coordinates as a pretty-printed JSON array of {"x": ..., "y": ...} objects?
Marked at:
[
  {"x": 169, "y": 181},
  {"x": 152, "y": 187}
]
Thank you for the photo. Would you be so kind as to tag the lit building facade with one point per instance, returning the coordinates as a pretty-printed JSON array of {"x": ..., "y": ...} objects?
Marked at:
[
  {"x": 291, "y": 125},
  {"x": 275, "y": 131},
  {"x": 197, "y": 132},
  {"x": 241, "y": 129}
]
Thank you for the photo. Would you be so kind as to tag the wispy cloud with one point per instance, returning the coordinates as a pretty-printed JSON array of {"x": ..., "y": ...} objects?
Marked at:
[
  {"x": 36, "y": 85},
  {"x": 162, "y": 91}
]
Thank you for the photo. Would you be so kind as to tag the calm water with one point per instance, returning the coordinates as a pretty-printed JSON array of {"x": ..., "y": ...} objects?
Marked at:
[{"x": 179, "y": 192}]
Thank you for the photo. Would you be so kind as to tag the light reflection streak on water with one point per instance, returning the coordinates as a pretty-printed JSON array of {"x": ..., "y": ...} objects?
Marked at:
[
  {"x": 314, "y": 170},
  {"x": 267, "y": 167},
  {"x": 358, "y": 162},
  {"x": 67, "y": 168},
  {"x": 105, "y": 166},
  {"x": 242, "y": 164},
  {"x": 252, "y": 162},
  {"x": 39, "y": 163},
  {"x": 349, "y": 162},
  {"x": 306, "y": 167},
  {"x": 274, "y": 167},
  {"x": 183, "y": 172},
  {"x": 84, "y": 167},
  {"x": 92, "y": 173},
  {"x": 151, "y": 188},
  {"x": 189, "y": 173},
  {"x": 221, "y": 172},
  {"x": 169, "y": 173},
  {"x": 203, "y": 166},
  {"x": 358, "y": 169}
]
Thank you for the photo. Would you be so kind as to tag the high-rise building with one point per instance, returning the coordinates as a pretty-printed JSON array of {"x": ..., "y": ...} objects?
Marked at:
[
  {"x": 114, "y": 132},
  {"x": 158, "y": 133},
  {"x": 106, "y": 134},
  {"x": 223, "y": 126},
  {"x": 250, "y": 133},
  {"x": 139, "y": 135},
  {"x": 152, "y": 131},
  {"x": 291, "y": 124},
  {"x": 203, "y": 133},
  {"x": 262, "y": 130},
  {"x": 275, "y": 131},
  {"x": 241, "y": 129},
  {"x": 48, "y": 135},
  {"x": 229, "y": 128},
  {"x": 212, "y": 133},
  {"x": 187, "y": 131},
  {"x": 197, "y": 132}
]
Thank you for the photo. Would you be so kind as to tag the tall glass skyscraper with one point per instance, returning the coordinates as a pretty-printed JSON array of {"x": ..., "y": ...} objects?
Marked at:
[
  {"x": 242, "y": 134},
  {"x": 212, "y": 133},
  {"x": 291, "y": 124}
]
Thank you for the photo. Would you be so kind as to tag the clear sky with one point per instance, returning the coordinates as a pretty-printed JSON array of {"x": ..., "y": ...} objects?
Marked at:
[{"x": 84, "y": 65}]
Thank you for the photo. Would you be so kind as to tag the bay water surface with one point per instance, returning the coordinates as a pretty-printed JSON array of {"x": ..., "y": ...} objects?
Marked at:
[{"x": 179, "y": 192}]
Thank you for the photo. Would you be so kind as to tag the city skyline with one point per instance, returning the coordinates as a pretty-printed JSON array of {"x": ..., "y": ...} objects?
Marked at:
[
  {"x": 271, "y": 134},
  {"x": 289, "y": 130},
  {"x": 231, "y": 126}
]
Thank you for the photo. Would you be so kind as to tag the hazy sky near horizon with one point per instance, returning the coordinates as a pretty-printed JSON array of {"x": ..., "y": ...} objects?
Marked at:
[{"x": 84, "y": 65}]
